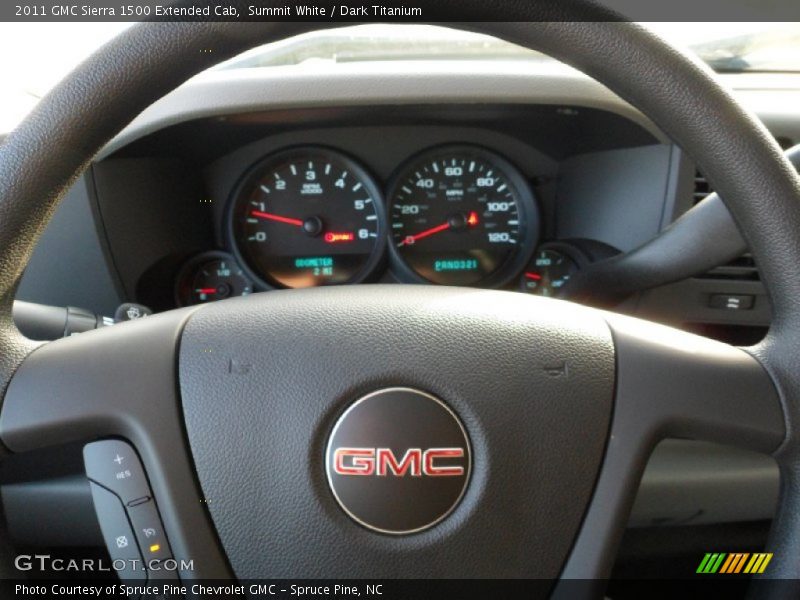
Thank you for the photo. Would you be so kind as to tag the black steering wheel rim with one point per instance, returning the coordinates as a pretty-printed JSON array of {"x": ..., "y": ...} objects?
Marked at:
[{"x": 40, "y": 160}]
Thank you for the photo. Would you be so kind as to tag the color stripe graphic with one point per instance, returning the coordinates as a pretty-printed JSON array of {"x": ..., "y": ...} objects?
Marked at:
[{"x": 734, "y": 562}]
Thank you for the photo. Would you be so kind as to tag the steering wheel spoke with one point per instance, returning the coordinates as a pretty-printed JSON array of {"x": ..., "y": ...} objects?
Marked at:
[
  {"x": 670, "y": 384},
  {"x": 676, "y": 384},
  {"x": 119, "y": 382}
]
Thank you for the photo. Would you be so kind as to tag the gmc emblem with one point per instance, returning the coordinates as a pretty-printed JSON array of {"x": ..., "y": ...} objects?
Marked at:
[{"x": 383, "y": 462}]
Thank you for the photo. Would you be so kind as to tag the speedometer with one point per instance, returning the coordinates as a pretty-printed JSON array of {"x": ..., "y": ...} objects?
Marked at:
[
  {"x": 461, "y": 215},
  {"x": 308, "y": 217}
]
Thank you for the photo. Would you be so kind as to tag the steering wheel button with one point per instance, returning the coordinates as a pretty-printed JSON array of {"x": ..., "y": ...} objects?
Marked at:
[
  {"x": 115, "y": 465},
  {"x": 149, "y": 532},
  {"x": 117, "y": 533},
  {"x": 138, "y": 501}
]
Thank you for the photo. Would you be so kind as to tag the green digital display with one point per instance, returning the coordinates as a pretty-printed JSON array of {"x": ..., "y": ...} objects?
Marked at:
[
  {"x": 469, "y": 264},
  {"x": 313, "y": 262},
  {"x": 320, "y": 266}
]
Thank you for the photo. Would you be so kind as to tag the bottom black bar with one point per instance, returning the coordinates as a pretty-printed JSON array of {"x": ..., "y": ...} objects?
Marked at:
[{"x": 400, "y": 589}]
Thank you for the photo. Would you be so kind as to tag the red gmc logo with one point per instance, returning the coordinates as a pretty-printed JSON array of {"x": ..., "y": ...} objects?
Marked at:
[{"x": 383, "y": 462}]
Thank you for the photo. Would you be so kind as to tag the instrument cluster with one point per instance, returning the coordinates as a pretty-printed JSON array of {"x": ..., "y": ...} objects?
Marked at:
[{"x": 312, "y": 216}]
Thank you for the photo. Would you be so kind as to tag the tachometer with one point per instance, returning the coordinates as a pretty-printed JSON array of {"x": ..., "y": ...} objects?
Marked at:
[
  {"x": 461, "y": 215},
  {"x": 308, "y": 217}
]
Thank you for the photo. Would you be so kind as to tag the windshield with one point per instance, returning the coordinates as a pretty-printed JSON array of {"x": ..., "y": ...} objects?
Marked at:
[
  {"x": 35, "y": 68},
  {"x": 724, "y": 46}
]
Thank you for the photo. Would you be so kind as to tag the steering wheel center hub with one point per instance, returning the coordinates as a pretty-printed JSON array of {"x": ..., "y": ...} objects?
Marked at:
[{"x": 398, "y": 461}]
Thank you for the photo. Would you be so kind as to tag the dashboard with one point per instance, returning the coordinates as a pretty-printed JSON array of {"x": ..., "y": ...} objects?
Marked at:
[{"x": 484, "y": 196}]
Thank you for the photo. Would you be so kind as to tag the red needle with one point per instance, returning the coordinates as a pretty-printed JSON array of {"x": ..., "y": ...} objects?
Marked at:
[
  {"x": 534, "y": 276},
  {"x": 410, "y": 239},
  {"x": 207, "y": 291},
  {"x": 471, "y": 220},
  {"x": 278, "y": 218}
]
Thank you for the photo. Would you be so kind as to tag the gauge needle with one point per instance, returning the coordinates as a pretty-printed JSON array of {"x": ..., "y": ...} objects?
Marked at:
[
  {"x": 471, "y": 220},
  {"x": 534, "y": 276},
  {"x": 278, "y": 218},
  {"x": 206, "y": 291},
  {"x": 410, "y": 239}
]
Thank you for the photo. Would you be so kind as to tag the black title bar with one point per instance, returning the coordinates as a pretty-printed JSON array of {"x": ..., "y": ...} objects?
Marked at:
[{"x": 392, "y": 11}]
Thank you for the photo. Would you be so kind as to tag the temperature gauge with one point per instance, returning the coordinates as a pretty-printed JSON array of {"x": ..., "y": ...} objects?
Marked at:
[
  {"x": 548, "y": 272},
  {"x": 211, "y": 277}
]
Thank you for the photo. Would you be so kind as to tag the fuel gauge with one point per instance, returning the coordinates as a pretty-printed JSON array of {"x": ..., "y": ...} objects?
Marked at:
[
  {"x": 548, "y": 272},
  {"x": 210, "y": 277}
]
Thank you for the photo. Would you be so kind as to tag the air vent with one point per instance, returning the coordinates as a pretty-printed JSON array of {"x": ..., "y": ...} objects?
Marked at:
[
  {"x": 742, "y": 268},
  {"x": 701, "y": 188}
]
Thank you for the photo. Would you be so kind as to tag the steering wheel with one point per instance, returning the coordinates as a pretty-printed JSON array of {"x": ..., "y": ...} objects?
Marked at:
[{"x": 243, "y": 411}]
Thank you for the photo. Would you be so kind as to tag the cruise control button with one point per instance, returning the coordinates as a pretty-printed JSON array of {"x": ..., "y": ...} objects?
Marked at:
[
  {"x": 115, "y": 465},
  {"x": 141, "y": 500},
  {"x": 149, "y": 531},
  {"x": 118, "y": 535}
]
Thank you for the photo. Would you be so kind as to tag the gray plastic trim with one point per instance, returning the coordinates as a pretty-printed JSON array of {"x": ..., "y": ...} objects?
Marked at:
[
  {"x": 361, "y": 84},
  {"x": 687, "y": 482},
  {"x": 704, "y": 237},
  {"x": 69, "y": 266},
  {"x": 51, "y": 513}
]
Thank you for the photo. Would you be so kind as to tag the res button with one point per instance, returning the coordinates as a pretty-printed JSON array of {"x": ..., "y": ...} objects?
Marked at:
[{"x": 115, "y": 465}]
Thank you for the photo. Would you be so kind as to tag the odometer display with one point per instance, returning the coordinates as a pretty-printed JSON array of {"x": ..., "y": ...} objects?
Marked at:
[
  {"x": 461, "y": 215},
  {"x": 308, "y": 217}
]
